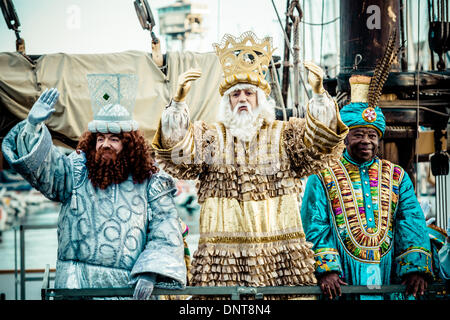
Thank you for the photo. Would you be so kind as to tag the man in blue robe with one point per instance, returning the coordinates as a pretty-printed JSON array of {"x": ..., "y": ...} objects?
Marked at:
[
  {"x": 118, "y": 223},
  {"x": 361, "y": 213}
]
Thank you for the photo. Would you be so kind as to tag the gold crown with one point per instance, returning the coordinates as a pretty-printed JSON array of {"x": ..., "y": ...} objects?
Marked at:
[{"x": 244, "y": 60}]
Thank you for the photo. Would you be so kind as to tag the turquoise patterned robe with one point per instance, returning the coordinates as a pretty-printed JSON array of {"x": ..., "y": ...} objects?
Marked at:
[{"x": 365, "y": 223}]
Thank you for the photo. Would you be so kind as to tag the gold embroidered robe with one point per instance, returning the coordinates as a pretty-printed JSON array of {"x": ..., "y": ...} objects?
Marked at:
[{"x": 251, "y": 232}]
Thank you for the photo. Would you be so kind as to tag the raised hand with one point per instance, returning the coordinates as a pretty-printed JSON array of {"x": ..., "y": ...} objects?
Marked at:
[
  {"x": 315, "y": 76},
  {"x": 185, "y": 82},
  {"x": 43, "y": 107}
]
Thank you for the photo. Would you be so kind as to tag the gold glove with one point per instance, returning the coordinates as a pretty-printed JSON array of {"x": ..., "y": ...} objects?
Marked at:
[
  {"x": 184, "y": 83},
  {"x": 315, "y": 77}
]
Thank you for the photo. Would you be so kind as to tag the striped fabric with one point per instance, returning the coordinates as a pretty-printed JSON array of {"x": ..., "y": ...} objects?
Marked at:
[
  {"x": 317, "y": 134},
  {"x": 183, "y": 151}
]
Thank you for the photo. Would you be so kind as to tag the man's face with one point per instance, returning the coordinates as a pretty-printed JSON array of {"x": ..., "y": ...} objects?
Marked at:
[
  {"x": 362, "y": 144},
  {"x": 108, "y": 140},
  {"x": 243, "y": 99}
]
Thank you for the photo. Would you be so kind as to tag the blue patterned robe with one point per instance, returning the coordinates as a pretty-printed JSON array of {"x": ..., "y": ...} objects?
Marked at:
[
  {"x": 365, "y": 223},
  {"x": 106, "y": 238}
]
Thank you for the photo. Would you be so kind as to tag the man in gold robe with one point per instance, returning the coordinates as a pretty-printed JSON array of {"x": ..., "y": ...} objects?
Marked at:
[{"x": 249, "y": 166}]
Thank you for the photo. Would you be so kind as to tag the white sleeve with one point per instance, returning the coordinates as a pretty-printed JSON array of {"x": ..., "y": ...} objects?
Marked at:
[
  {"x": 323, "y": 108},
  {"x": 174, "y": 123}
]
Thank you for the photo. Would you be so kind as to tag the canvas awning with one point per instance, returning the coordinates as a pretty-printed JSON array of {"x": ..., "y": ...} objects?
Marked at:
[{"x": 21, "y": 83}]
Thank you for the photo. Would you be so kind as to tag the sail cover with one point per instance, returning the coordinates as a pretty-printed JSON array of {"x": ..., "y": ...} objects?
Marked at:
[{"x": 21, "y": 83}]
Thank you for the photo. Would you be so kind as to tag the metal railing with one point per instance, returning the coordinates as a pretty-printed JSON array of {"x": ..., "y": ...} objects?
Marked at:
[
  {"x": 20, "y": 274},
  {"x": 235, "y": 292},
  {"x": 433, "y": 291}
]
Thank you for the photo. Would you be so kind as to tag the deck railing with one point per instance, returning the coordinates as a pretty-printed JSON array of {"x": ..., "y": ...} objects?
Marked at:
[
  {"x": 434, "y": 291},
  {"x": 20, "y": 277}
]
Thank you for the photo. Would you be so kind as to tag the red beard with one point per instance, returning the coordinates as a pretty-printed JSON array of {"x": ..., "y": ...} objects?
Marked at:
[
  {"x": 107, "y": 167},
  {"x": 105, "y": 156}
]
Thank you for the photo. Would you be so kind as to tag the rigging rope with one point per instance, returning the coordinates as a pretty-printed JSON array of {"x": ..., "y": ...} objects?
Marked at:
[
  {"x": 321, "y": 24},
  {"x": 418, "y": 99},
  {"x": 288, "y": 43},
  {"x": 321, "y": 33},
  {"x": 296, "y": 59}
]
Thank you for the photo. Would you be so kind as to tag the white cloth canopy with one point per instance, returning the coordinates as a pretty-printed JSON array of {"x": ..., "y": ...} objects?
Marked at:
[{"x": 21, "y": 83}]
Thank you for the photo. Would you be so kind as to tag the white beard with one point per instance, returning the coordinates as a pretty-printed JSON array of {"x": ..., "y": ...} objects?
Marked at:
[{"x": 245, "y": 124}]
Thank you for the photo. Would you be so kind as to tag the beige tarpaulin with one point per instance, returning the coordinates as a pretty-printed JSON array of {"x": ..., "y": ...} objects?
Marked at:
[{"x": 21, "y": 83}]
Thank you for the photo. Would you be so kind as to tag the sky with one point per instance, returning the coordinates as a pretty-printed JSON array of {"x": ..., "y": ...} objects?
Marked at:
[{"x": 103, "y": 26}]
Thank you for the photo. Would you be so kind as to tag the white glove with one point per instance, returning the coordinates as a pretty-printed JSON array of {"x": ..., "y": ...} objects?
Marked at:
[{"x": 144, "y": 287}]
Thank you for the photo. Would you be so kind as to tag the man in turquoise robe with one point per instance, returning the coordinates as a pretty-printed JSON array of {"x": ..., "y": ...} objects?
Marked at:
[{"x": 362, "y": 215}]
